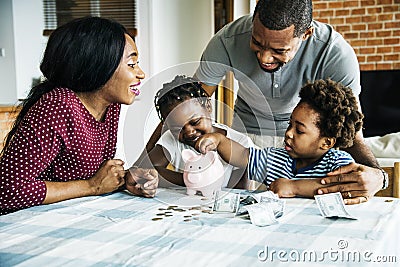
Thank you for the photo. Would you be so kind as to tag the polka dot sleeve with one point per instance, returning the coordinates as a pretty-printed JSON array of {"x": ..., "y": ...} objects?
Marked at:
[{"x": 58, "y": 140}]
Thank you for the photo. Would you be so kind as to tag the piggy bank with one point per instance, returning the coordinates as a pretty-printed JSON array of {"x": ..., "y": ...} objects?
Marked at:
[{"x": 204, "y": 173}]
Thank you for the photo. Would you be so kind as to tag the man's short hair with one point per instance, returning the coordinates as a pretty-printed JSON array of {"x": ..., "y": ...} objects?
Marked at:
[{"x": 280, "y": 14}]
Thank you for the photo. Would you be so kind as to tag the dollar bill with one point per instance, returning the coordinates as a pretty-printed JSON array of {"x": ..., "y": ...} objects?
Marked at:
[
  {"x": 277, "y": 205},
  {"x": 332, "y": 205},
  {"x": 261, "y": 214},
  {"x": 268, "y": 193},
  {"x": 226, "y": 202}
]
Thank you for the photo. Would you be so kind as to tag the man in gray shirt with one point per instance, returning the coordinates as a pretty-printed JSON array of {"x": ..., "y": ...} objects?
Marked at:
[{"x": 272, "y": 55}]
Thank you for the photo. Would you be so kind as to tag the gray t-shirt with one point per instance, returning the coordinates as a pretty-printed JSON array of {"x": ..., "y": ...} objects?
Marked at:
[{"x": 265, "y": 100}]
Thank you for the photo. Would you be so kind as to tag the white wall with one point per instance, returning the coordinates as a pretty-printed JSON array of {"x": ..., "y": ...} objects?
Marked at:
[
  {"x": 29, "y": 43},
  {"x": 8, "y": 93},
  {"x": 172, "y": 36},
  {"x": 21, "y": 25}
]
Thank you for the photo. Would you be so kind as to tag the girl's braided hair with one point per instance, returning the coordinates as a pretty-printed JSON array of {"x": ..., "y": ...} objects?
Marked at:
[{"x": 180, "y": 89}]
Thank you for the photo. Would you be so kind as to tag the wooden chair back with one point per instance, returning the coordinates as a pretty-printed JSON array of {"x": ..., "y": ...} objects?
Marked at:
[{"x": 394, "y": 182}]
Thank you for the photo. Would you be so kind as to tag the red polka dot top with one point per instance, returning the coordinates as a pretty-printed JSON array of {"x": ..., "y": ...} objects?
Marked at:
[{"x": 58, "y": 140}]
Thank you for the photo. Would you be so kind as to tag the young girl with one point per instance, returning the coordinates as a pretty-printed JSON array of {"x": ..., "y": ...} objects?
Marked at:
[
  {"x": 184, "y": 109},
  {"x": 326, "y": 117}
]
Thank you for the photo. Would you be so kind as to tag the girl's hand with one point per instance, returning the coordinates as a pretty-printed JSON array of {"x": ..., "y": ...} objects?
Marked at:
[
  {"x": 141, "y": 182},
  {"x": 283, "y": 187},
  {"x": 108, "y": 178}
]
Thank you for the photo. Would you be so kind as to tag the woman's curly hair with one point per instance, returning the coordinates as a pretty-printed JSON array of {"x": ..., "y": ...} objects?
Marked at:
[
  {"x": 337, "y": 108},
  {"x": 181, "y": 88}
]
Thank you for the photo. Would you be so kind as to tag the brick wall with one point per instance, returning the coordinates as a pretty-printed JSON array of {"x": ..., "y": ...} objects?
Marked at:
[
  {"x": 372, "y": 27},
  {"x": 6, "y": 120}
]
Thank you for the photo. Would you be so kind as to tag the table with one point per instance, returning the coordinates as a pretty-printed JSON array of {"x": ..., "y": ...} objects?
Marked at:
[{"x": 121, "y": 230}]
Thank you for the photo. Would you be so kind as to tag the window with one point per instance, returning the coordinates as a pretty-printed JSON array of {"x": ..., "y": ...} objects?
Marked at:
[{"x": 59, "y": 12}]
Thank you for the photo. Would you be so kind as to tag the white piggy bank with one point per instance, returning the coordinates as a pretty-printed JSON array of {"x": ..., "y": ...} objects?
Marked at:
[{"x": 203, "y": 173}]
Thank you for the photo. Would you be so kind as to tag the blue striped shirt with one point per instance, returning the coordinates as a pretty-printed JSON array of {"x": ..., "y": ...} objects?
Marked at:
[{"x": 268, "y": 164}]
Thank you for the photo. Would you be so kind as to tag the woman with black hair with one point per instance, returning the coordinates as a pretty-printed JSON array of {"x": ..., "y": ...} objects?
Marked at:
[{"x": 63, "y": 141}]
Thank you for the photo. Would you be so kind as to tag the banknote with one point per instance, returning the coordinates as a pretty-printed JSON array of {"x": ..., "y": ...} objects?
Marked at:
[
  {"x": 226, "y": 202},
  {"x": 277, "y": 205},
  {"x": 268, "y": 193},
  {"x": 261, "y": 214},
  {"x": 332, "y": 205}
]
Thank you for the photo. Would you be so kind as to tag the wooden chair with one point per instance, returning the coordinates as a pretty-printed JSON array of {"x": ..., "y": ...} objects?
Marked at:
[{"x": 394, "y": 182}]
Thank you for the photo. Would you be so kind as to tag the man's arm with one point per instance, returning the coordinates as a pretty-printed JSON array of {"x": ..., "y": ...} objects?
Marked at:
[
  {"x": 361, "y": 181},
  {"x": 361, "y": 153}
]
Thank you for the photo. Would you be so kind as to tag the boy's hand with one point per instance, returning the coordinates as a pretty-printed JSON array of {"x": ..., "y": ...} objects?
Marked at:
[
  {"x": 283, "y": 187},
  {"x": 208, "y": 142}
]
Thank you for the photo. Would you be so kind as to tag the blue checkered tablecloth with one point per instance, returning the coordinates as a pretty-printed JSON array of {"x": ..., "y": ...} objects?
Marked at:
[{"x": 123, "y": 230}]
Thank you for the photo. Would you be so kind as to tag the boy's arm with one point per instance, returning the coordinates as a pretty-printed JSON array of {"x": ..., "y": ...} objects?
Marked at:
[
  {"x": 229, "y": 150},
  {"x": 291, "y": 188}
]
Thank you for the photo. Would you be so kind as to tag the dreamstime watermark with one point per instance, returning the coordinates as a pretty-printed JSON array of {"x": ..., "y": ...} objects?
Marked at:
[{"x": 339, "y": 254}]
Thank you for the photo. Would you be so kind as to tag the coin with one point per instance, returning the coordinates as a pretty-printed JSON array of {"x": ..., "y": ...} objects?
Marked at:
[
  {"x": 179, "y": 209},
  {"x": 389, "y": 200},
  {"x": 187, "y": 216},
  {"x": 160, "y": 214},
  {"x": 156, "y": 219},
  {"x": 187, "y": 220}
]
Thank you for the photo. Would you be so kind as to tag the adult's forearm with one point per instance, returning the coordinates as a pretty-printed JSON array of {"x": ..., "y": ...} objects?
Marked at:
[
  {"x": 361, "y": 152},
  {"x": 58, "y": 191}
]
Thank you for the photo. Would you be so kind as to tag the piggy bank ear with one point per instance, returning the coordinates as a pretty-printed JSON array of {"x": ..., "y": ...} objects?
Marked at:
[
  {"x": 210, "y": 157},
  {"x": 187, "y": 154}
]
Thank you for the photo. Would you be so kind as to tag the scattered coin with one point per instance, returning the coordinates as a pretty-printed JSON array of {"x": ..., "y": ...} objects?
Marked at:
[
  {"x": 162, "y": 209},
  {"x": 179, "y": 209},
  {"x": 204, "y": 198},
  {"x": 195, "y": 208},
  {"x": 156, "y": 219},
  {"x": 160, "y": 214},
  {"x": 187, "y": 220},
  {"x": 206, "y": 211},
  {"x": 187, "y": 216},
  {"x": 389, "y": 200},
  {"x": 168, "y": 215}
]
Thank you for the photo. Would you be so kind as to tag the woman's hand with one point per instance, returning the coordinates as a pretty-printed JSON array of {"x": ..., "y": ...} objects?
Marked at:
[
  {"x": 141, "y": 182},
  {"x": 108, "y": 178},
  {"x": 283, "y": 187},
  {"x": 356, "y": 182}
]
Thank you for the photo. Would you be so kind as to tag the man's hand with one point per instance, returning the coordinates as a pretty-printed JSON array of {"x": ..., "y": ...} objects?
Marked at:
[
  {"x": 357, "y": 183},
  {"x": 141, "y": 182}
]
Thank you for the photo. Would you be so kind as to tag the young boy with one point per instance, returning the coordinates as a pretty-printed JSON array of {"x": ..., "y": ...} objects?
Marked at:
[{"x": 326, "y": 117}]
